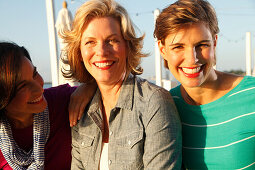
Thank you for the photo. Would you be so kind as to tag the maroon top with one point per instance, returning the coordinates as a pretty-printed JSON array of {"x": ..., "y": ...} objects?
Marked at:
[{"x": 58, "y": 147}]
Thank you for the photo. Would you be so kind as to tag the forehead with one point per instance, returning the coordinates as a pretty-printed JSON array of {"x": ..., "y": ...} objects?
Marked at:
[
  {"x": 27, "y": 68},
  {"x": 102, "y": 26},
  {"x": 192, "y": 32}
]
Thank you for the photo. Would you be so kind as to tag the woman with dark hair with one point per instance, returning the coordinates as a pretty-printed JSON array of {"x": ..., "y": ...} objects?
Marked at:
[{"x": 34, "y": 125}]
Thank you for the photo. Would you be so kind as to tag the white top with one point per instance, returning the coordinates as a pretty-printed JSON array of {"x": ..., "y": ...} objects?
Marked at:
[{"x": 104, "y": 162}]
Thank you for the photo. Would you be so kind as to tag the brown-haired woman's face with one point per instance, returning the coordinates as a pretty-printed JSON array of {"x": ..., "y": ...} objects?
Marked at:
[
  {"x": 190, "y": 53},
  {"x": 29, "y": 97}
]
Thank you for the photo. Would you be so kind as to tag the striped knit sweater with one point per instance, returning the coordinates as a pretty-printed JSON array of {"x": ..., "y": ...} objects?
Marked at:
[{"x": 220, "y": 134}]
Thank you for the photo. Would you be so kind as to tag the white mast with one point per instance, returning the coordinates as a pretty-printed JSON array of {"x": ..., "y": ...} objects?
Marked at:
[
  {"x": 52, "y": 42},
  {"x": 248, "y": 53},
  {"x": 157, "y": 55}
]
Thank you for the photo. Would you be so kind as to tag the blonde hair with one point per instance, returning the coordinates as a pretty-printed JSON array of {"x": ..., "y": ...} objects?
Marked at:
[{"x": 101, "y": 8}]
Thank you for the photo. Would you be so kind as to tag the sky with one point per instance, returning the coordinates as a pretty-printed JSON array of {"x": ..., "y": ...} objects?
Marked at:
[{"x": 25, "y": 23}]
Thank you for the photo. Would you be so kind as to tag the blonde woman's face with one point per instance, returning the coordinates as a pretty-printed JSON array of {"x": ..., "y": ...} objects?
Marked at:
[{"x": 104, "y": 51}]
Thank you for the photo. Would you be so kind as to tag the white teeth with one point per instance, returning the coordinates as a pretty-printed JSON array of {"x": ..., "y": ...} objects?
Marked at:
[
  {"x": 36, "y": 100},
  {"x": 191, "y": 71},
  {"x": 105, "y": 64}
]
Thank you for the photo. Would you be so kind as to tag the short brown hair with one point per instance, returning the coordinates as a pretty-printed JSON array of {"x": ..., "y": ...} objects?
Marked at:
[
  {"x": 101, "y": 8},
  {"x": 182, "y": 13}
]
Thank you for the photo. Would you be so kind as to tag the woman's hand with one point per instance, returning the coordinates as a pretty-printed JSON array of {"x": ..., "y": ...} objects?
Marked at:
[{"x": 79, "y": 100}]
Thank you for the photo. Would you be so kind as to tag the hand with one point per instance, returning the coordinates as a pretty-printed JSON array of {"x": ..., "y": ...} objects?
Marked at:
[{"x": 79, "y": 100}]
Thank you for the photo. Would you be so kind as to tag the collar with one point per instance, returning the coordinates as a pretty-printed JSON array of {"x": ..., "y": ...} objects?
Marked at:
[{"x": 125, "y": 100}]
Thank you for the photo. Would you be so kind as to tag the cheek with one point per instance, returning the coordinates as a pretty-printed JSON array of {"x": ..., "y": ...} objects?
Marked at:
[
  {"x": 20, "y": 100},
  {"x": 173, "y": 59},
  {"x": 120, "y": 51},
  {"x": 85, "y": 54},
  {"x": 208, "y": 54},
  {"x": 40, "y": 80}
]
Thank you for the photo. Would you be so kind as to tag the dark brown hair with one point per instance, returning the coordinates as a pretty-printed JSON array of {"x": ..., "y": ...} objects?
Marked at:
[{"x": 11, "y": 56}]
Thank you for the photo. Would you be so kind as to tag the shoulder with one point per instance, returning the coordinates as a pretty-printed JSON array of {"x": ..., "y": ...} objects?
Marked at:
[
  {"x": 148, "y": 90},
  {"x": 61, "y": 91},
  {"x": 58, "y": 96},
  {"x": 246, "y": 86},
  {"x": 153, "y": 97},
  {"x": 175, "y": 91},
  {"x": 249, "y": 80}
]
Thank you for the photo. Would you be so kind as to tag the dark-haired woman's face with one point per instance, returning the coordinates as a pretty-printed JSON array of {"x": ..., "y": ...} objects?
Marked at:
[{"x": 29, "y": 97}]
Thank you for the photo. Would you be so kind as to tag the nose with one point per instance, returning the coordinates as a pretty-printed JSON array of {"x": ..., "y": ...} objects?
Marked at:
[
  {"x": 102, "y": 49},
  {"x": 192, "y": 55}
]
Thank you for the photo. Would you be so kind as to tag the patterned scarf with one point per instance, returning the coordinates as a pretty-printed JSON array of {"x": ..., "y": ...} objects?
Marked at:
[{"x": 16, "y": 157}]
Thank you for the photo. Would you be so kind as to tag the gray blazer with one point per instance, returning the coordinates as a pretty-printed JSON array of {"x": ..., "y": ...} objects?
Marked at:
[{"x": 144, "y": 130}]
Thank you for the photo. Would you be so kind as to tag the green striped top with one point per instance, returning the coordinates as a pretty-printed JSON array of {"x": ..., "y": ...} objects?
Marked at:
[{"x": 220, "y": 134}]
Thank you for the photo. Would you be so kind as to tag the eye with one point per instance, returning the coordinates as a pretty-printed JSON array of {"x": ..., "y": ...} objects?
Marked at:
[
  {"x": 113, "y": 41},
  {"x": 21, "y": 85},
  {"x": 203, "y": 45},
  {"x": 89, "y": 42},
  {"x": 178, "y": 47}
]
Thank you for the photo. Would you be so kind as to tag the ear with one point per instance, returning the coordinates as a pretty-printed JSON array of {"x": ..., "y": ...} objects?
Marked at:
[{"x": 162, "y": 49}]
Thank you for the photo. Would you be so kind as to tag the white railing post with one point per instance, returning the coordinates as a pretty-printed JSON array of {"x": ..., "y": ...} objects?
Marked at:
[
  {"x": 52, "y": 42},
  {"x": 158, "y": 72},
  {"x": 248, "y": 53}
]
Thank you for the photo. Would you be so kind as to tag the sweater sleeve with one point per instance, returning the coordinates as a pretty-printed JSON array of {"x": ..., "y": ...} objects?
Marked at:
[{"x": 58, "y": 146}]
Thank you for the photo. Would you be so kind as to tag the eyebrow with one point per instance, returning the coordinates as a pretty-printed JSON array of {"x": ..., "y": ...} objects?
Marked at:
[
  {"x": 203, "y": 41},
  {"x": 112, "y": 35}
]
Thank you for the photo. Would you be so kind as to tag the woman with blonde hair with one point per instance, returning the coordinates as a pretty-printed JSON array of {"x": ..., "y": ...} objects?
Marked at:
[{"x": 130, "y": 123}]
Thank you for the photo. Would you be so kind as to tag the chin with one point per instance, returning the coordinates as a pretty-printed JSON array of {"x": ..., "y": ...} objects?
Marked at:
[
  {"x": 191, "y": 84},
  {"x": 41, "y": 107}
]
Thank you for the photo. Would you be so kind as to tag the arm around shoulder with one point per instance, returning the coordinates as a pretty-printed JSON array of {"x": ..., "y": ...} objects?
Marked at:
[{"x": 163, "y": 142}]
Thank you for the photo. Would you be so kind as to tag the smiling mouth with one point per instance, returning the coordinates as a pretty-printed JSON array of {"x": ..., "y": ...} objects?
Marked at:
[
  {"x": 192, "y": 72},
  {"x": 104, "y": 64},
  {"x": 38, "y": 100}
]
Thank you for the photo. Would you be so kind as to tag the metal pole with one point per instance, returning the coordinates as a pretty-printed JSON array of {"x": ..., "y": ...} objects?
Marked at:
[
  {"x": 52, "y": 42},
  {"x": 253, "y": 71},
  {"x": 248, "y": 53},
  {"x": 157, "y": 55}
]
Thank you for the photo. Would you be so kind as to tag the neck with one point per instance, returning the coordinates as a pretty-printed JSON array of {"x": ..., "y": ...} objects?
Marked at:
[
  {"x": 110, "y": 95},
  {"x": 19, "y": 122},
  {"x": 212, "y": 90},
  {"x": 203, "y": 93}
]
